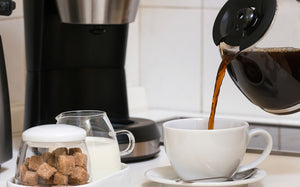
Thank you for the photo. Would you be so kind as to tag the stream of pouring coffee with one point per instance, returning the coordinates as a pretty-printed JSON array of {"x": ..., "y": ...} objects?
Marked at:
[{"x": 221, "y": 72}]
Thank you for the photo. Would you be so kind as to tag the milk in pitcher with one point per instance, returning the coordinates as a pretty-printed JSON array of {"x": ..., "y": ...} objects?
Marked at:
[{"x": 104, "y": 156}]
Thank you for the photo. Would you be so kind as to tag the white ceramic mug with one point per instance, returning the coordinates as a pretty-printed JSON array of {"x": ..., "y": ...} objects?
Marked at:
[{"x": 196, "y": 152}]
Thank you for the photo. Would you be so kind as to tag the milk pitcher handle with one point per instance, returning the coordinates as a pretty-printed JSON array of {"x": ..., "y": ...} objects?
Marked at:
[
  {"x": 265, "y": 153},
  {"x": 131, "y": 142}
]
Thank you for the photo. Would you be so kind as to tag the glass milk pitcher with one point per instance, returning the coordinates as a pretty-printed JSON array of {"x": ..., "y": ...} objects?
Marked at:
[{"x": 101, "y": 140}]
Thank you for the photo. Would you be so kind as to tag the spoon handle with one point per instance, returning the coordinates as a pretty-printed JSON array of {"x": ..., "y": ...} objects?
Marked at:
[
  {"x": 208, "y": 178},
  {"x": 237, "y": 176}
]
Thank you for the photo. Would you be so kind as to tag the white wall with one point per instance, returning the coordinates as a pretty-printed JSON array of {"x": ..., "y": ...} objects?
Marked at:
[{"x": 170, "y": 53}]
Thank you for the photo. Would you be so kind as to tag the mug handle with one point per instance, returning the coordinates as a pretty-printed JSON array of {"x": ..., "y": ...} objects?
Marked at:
[
  {"x": 131, "y": 142},
  {"x": 265, "y": 153}
]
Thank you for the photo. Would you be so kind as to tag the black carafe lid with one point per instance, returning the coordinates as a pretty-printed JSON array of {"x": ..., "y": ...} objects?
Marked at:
[{"x": 243, "y": 22}]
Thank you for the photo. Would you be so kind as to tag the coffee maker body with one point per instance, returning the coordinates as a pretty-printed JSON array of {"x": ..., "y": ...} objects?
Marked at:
[{"x": 75, "y": 55}]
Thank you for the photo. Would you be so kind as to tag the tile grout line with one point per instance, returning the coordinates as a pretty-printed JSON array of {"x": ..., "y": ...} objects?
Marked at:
[
  {"x": 279, "y": 139},
  {"x": 11, "y": 18},
  {"x": 179, "y": 7},
  {"x": 202, "y": 57},
  {"x": 139, "y": 47},
  {"x": 170, "y": 7}
]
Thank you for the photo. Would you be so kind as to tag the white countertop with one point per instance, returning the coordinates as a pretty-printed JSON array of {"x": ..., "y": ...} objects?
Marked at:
[{"x": 281, "y": 170}]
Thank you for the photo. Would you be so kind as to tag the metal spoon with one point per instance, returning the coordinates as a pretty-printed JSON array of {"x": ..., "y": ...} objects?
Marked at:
[{"x": 237, "y": 176}]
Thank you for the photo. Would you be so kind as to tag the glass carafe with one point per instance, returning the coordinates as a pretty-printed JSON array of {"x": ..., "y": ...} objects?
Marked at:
[
  {"x": 261, "y": 38},
  {"x": 101, "y": 140}
]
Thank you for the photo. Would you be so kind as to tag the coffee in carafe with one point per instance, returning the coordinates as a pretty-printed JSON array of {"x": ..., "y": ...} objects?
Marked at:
[{"x": 270, "y": 75}]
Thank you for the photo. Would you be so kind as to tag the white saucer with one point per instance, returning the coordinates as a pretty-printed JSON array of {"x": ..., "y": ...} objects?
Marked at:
[{"x": 166, "y": 175}]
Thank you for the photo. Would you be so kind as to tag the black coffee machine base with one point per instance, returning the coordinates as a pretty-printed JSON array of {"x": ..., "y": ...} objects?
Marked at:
[{"x": 147, "y": 139}]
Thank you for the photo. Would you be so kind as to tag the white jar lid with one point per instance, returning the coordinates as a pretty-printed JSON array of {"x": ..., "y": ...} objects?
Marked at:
[{"x": 54, "y": 133}]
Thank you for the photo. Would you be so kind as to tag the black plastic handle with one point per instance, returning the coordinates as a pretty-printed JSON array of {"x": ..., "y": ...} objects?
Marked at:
[
  {"x": 7, "y": 7},
  {"x": 243, "y": 22}
]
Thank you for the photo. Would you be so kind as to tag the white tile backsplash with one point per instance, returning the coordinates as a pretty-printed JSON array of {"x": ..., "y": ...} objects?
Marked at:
[
  {"x": 172, "y": 3},
  {"x": 173, "y": 85},
  {"x": 132, "y": 64},
  {"x": 285, "y": 29},
  {"x": 170, "y": 57},
  {"x": 217, "y": 4}
]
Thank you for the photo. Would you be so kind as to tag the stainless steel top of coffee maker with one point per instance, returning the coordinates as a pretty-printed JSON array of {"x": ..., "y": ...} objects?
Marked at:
[{"x": 97, "y": 11}]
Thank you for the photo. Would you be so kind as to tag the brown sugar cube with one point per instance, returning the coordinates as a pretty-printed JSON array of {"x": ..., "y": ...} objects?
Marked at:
[
  {"x": 51, "y": 160},
  {"x": 46, "y": 171},
  {"x": 79, "y": 176},
  {"x": 60, "y": 179},
  {"x": 46, "y": 156},
  {"x": 22, "y": 170},
  {"x": 60, "y": 151},
  {"x": 31, "y": 178},
  {"x": 65, "y": 164},
  {"x": 26, "y": 162},
  {"x": 35, "y": 162},
  {"x": 80, "y": 159},
  {"x": 74, "y": 150},
  {"x": 46, "y": 182}
]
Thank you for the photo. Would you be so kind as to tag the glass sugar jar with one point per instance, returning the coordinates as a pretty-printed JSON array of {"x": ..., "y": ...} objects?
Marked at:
[{"x": 53, "y": 155}]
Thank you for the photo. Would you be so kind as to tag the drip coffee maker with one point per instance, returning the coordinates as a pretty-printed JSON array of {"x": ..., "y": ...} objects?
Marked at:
[
  {"x": 262, "y": 42},
  {"x": 75, "y": 55}
]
